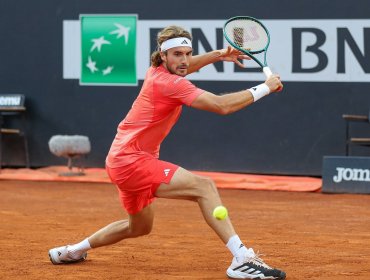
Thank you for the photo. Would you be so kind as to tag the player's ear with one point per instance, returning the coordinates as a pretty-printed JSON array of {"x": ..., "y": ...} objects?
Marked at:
[{"x": 163, "y": 56}]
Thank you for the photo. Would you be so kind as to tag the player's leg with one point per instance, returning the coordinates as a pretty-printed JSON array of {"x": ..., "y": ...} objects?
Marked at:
[
  {"x": 186, "y": 185},
  {"x": 134, "y": 184},
  {"x": 136, "y": 225},
  {"x": 246, "y": 264}
]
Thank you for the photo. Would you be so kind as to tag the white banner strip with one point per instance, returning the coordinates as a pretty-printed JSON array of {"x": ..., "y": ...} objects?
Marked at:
[{"x": 300, "y": 50}]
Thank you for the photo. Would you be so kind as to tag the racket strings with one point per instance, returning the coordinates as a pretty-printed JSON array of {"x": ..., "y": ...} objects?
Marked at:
[{"x": 247, "y": 34}]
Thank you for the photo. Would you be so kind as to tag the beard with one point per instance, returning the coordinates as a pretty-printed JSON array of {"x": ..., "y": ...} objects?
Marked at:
[{"x": 181, "y": 70}]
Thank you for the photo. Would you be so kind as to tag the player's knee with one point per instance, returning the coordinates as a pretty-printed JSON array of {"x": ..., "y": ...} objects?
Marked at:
[
  {"x": 208, "y": 187},
  {"x": 143, "y": 230},
  {"x": 146, "y": 230}
]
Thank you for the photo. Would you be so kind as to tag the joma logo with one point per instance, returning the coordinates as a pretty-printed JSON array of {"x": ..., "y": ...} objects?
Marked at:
[{"x": 351, "y": 174}]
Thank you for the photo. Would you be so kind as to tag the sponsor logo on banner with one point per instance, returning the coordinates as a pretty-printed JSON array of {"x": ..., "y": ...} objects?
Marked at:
[
  {"x": 10, "y": 101},
  {"x": 346, "y": 174},
  {"x": 312, "y": 50},
  {"x": 351, "y": 174},
  {"x": 108, "y": 50}
]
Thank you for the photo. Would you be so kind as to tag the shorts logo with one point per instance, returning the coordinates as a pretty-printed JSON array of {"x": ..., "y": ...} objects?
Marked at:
[{"x": 166, "y": 171}]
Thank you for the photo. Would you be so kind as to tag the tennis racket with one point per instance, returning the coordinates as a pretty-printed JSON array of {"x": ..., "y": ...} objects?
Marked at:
[{"x": 249, "y": 36}]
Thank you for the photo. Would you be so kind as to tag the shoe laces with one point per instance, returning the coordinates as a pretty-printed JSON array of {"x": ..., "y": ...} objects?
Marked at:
[
  {"x": 73, "y": 254},
  {"x": 258, "y": 261}
]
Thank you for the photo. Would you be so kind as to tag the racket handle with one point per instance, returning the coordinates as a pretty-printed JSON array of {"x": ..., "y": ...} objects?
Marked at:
[{"x": 267, "y": 71}]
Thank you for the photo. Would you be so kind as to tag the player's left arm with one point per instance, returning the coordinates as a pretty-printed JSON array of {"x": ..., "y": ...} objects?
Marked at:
[{"x": 228, "y": 54}]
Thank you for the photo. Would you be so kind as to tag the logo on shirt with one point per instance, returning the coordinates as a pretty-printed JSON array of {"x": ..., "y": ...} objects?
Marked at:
[
  {"x": 166, "y": 171},
  {"x": 178, "y": 80}
]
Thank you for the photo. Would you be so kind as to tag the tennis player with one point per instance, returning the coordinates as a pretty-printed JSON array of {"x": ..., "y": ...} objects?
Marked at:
[{"x": 133, "y": 160}]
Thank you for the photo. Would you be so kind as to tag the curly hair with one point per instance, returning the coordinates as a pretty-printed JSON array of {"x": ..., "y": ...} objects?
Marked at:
[{"x": 165, "y": 34}]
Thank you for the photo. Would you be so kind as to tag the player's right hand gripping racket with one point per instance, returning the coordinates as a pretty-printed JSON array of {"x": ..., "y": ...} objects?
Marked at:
[{"x": 249, "y": 36}]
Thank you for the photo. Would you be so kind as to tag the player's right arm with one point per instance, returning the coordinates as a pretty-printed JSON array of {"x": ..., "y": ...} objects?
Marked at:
[{"x": 232, "y": 102}]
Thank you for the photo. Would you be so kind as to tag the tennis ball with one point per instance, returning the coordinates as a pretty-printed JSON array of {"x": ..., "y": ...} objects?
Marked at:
[{"x": 220, "y": 213}]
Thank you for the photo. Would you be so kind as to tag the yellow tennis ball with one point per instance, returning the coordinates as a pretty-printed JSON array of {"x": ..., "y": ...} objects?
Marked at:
[{"x": 220, "y": 213}]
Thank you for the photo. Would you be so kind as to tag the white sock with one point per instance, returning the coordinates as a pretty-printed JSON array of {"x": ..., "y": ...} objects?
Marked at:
[
  {"x": 77, "y": 250},
  {"x": 238, "y": 249}
]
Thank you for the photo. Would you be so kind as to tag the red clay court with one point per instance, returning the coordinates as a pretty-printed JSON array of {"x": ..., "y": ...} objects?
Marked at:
[{"x": 308, "y": 234}]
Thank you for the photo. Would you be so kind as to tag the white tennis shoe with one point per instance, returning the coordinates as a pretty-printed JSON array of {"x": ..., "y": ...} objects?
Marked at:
[
  {"x": 61, "y": 255},
  {"x": 253, "y": 268}
]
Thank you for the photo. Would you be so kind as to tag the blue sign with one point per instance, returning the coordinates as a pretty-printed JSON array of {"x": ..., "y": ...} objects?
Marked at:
[{"x": 346, "y": 175}]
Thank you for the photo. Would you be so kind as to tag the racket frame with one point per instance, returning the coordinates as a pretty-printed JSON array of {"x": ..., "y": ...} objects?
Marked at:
[{"x": 263, "y": 65}]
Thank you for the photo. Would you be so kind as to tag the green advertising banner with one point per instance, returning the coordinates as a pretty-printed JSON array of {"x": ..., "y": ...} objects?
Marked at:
[{"x": 108, "y": 50}]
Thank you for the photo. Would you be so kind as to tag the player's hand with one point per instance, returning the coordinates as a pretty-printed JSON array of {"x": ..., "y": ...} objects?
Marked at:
[
  {"x": 233, "y": 55},
  {"x": 274, "y": 83}
]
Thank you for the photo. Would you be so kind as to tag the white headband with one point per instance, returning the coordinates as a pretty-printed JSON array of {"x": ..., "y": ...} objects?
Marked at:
[{"x": 175, "y": 42}]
